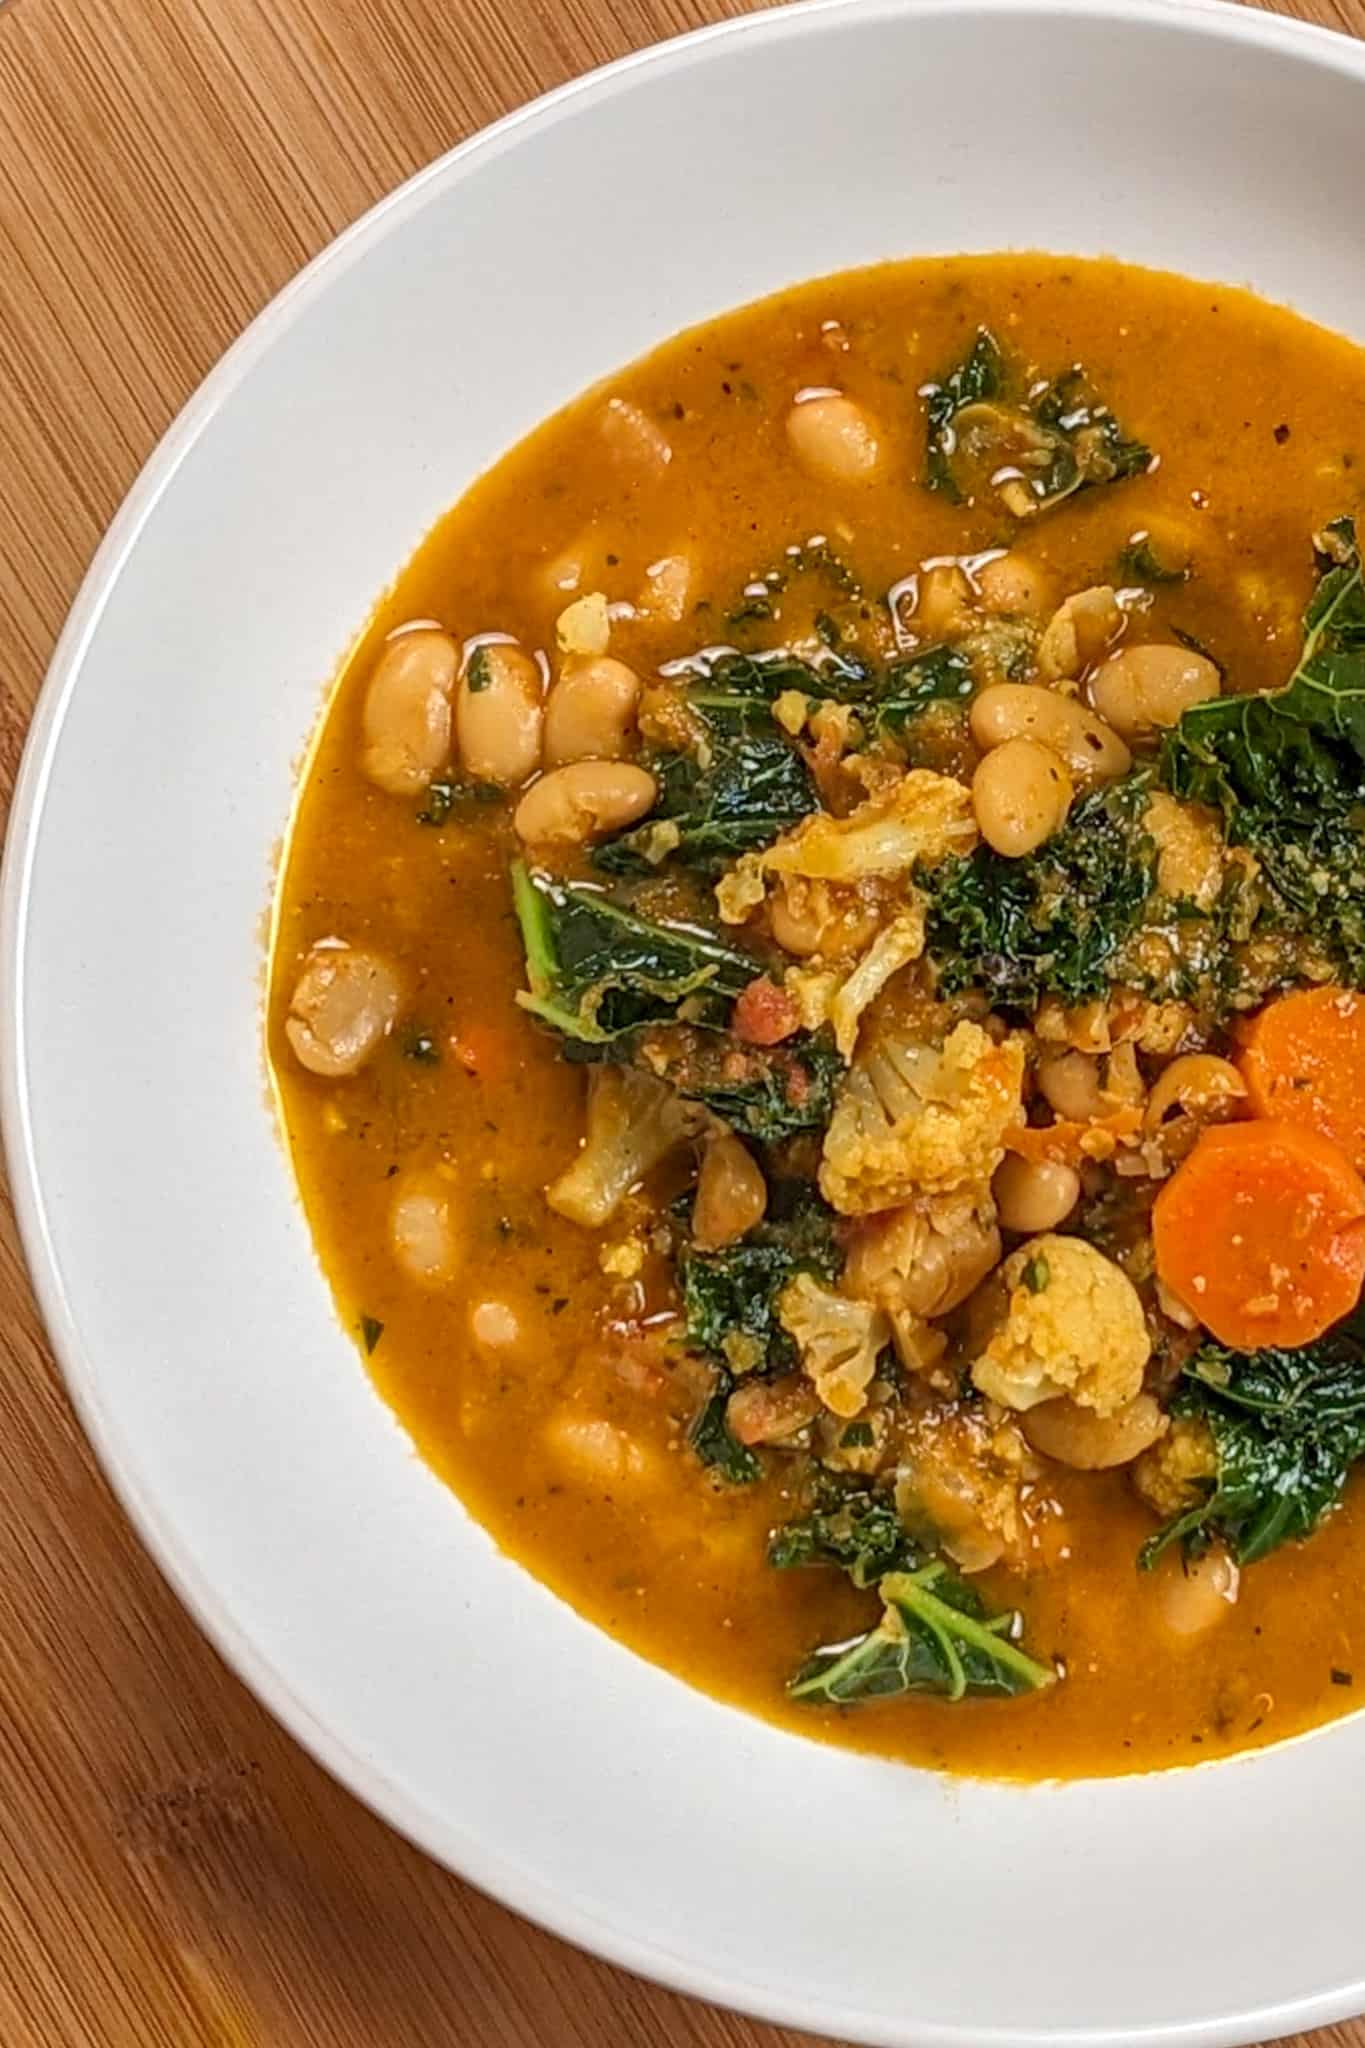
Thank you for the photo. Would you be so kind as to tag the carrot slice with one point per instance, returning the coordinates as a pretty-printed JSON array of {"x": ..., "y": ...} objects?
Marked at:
[
  {"x": 1303, "y": 1059},
  {"x": 1261, "y": 1233}
]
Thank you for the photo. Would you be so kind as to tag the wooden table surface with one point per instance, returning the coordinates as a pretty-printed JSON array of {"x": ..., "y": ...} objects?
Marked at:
[{"x": 172, "y": 1869}]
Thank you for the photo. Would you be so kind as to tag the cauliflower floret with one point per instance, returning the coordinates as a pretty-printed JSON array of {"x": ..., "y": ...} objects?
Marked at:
[
  {"x": 893, "y": 948},
  {"x": 813, "y": 990},
  {"x": 922, "y": 818},
  {"x": 633, "y": 1121},
  {"x": 839, "y": 1341},
  {"x": 1179, "y": 1471},
  {"x": 824, "y": 996},
  {"x": 1078, "y": 633},
  {"x": 583, "y": 628},
  {"x": 969, "y": 1475},
  {"x": 1074, "y": 1326},
  {"x": 911, "y": 1119}
]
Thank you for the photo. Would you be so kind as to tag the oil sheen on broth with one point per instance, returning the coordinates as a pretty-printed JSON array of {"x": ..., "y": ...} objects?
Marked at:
[{"x": 533, "y": 1370}]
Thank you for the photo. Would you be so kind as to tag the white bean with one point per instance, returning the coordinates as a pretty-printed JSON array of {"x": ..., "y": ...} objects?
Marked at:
[
  {"x": 1021, "y": 793},
  {"x": 1089, "y": 1442},
  {"x": 834, "y": 439},
  {"x": 590, "y": 712},
  {"x": 1197, "y": 1082},
  {"x": 732, "y": 1194},
  {"x": 1194, "y": 1595},
  {"x": 583, "y": 801},
  {"x": 405, "y": 723},
  {"x": 495, "y": 1326},
  {"x": 1033, "y": 1195},
  {"x": 346, "y": 1000},
  {"x": 1013, "y": 586},
  {"x": 498, "y": 715},
  {"x": 667, "y": 588},
  {"x": 595, "y": 1451},
  {"x": 1070, "y": 1082},
  {"x": 1141, "y": 690},
  {"x": 633, "y": 438},
  {"x": 943, "y": 602},
  {"x": 1091, "y": 750},
  {"x": 422, "y": 1231}
]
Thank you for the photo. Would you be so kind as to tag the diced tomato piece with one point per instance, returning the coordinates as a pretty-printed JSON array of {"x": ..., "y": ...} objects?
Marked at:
[{"x": 765, "y": 1014}]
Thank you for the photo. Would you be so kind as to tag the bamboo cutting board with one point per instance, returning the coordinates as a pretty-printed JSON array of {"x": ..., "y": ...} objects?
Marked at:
[{"x": 174, "y": 1873}]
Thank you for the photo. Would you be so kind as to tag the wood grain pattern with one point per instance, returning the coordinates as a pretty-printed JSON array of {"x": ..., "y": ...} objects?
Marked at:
[{"x": 174, "y": 1873}]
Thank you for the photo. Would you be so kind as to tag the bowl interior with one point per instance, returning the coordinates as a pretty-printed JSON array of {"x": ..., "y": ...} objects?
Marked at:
[{"x": 438, "y": 1679}]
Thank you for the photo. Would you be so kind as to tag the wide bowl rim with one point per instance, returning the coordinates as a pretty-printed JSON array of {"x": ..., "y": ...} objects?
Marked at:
[{"x": 477, "y": 1861}]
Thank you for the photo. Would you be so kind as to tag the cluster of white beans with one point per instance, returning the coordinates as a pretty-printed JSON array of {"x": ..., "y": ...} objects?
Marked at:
[
  {"x": 1040, "y": 743},
  {"x": 425, "y": 708}
]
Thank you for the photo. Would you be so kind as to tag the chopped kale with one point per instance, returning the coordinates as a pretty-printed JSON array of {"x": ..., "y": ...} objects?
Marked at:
[
  {"x": 1139, "y": 562},
  {"x": 1287, "y": 767},
  {"x": 597, "y": 971},
  {"x": 712, "y": 1441},
  {"x": 1088, "y": 446},
  {"x": 1055, "y": 921},
  {"x": 1037, "y": 1274},
  {"x": 734, "y": 689},
  {"x": 939, "y": 675},
  {"x": 755, "y": 787},
  {"x": 1032, "y": 445},
  {"x": 978, "y": 377},
  {"x": 1294, "y": 749},
  {"x": 730, "y": 1297},
  {"x": 934, "y": 1636},
  {"x": 855, "y": 1529},
  {"x": 1287, "y": 1427}
]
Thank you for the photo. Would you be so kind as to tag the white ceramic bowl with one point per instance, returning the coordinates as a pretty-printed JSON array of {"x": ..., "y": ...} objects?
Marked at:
[{"x": 437, "y": 1679}]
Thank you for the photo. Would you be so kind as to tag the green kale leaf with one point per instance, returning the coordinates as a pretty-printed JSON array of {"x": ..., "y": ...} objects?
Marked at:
[
  {"x": 1088, "y": 446},
  {"x": 1287, "y": 767},
  {"x": 1287, "y": 752},
  {"x": 1139, "y": 562},
  {"x": 597, "y": 971},
  {"x": 854, "y": 1528},
  {"x": 934, "y": 1637},
  {"x": 978, "y": 377},
  {"x": 730, "y": 1310},
  {"x": 730, "y": 1297},
  {"x": 765, "y": 1092},
  {"x": 1032, "y": 445},
  {"x": 938, "y": 675},
  {"x": 712, "y": 1441},
  {"x": 1287, "y": 1427},
  {"x": 755, "y": 787},
  {"x": 732, "y": 689}
]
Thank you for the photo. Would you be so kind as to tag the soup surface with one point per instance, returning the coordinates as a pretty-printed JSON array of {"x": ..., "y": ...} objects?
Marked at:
[{"x": 895, "y": 1263}]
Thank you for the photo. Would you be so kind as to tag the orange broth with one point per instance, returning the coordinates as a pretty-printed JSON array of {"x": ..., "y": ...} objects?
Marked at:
[{"x": 1259, "y": 419}]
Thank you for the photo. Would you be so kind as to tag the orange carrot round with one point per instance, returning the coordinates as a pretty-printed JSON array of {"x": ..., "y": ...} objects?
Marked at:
[
  {"x": 1303, "y": 1060},
  {"x": 1261, "y": 1233}
]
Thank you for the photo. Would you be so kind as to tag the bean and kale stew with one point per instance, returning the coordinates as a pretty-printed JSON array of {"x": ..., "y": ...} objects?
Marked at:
[{"x": 815, "y": 1007}]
